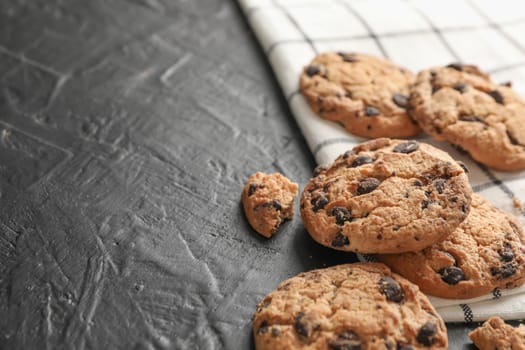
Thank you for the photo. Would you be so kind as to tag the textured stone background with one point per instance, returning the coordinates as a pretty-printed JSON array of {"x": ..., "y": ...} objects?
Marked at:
[{"x": 127, "y": 129}]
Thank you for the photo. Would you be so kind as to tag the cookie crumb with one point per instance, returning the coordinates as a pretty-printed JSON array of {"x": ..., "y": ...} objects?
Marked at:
[{"x": 518, "y": 204}]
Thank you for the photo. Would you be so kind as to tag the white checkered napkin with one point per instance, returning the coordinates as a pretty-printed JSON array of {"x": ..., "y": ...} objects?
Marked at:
[{"x": 416, "y": 34}]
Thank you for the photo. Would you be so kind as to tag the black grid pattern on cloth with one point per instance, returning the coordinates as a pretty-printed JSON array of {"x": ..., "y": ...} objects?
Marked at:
[
  {"x": 467, "y": 311},
  {"x": 440, "y": 32},
  {"x": 371, "y": 32},
  {"x": 296, "y": 24}
]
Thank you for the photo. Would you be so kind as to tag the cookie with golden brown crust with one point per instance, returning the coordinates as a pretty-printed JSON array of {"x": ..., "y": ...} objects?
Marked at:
[
  {"x": 462, "y": 105},
  {"x": 268, "y": 200},
  {"x": 485, "y": 252},
  {"x": 365, "y": 94},
  {"x": 386, "y": 196},
  {"x": 353, "y": 306},
  {"x": 495, "y": 334}
]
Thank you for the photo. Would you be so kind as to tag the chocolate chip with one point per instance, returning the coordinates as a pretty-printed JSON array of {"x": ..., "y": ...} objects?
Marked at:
[
  {"x": 406, "y": 147},
  {"x": 512, "y": 138},
  {"x": 497, "y": 96},
  {"x": 371, "y": 111},
  {"x": 348, "y": 154},
  {"x": 276, "y": 332},
  {"x": 362, "y": 160},
  {"x": 327, "y": 186},
  {"x": 348, "y": 57},
  {"x": 269, "y": 204},
  {"x": 266, "y": 303},
  {"x": 435, "y": 89},
  {"x": 340, "y": 240},
  {"x": 400, "y": 100},
  {"x": 417, "y": 183},
  {"x": 263, "y": 328},
  {"x": 504, "y": 271},
  {"x": 346, "y": 340},
  {"x": 461, "y": 87},
  {"x": 506, "y": 83},
  {"x": 391, "y": 289},
  {"x": 367, "y": 185},
  {"x": 507, "y": 270},
  {"x": 319, "y": 202},
  {"x": 313, "y": 70},
  {"x": 462, "y": 165},
  {"x": 506, "y": 253},
  {"x": 433, "y": 73},
  {"x": 471, "y": 118},
  {"x": 426, "y": 334},
  {"x": 464, "y": 208},
  {"x": 341, "y": 214},
  {"x": 456, "y": 66},
  {"x": 319, "y": 169},
  {"x": 252, "y": 189},
  {"x": 439, "y": 184},
  {"x": 302, "y": 327},
  {"x": 452, "y": 275}
]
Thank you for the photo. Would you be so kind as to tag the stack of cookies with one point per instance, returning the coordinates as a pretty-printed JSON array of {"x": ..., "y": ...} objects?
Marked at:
[
  {"x": 406, "y": 202},
  {"x": 412, "y": 205}
]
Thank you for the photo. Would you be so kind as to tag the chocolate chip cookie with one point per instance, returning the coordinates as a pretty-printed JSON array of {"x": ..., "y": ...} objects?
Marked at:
[
  {"x": 366, "y": 95},
  {"x": 386, "y": 196},
  {"x": 495, "y": 334},
  {"x": 486, "y": 251},
  {"x": 461, "y": 104},
  {"x": 352, "y": 306},
  {"x": 268, "y": 200}
]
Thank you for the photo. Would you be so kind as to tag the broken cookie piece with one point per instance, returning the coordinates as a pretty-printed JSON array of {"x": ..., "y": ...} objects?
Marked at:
[
  {"x": 496, "y": 334},
  {"x": 268, "y": 200}
]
